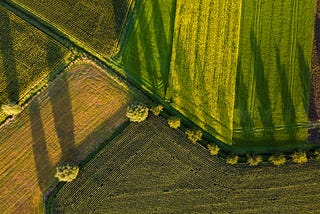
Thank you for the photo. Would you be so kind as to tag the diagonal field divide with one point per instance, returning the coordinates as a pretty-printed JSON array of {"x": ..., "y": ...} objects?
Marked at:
[
  {"x": 274, "y": 63},
  {"x": 35, "y": 142}
]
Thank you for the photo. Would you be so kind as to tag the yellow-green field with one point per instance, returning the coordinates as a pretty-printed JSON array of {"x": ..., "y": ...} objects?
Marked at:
[
  {"x": 27, "y": 57},
  {"x": 67, "y": 121},
  {"x": 204, "y": 63},
  {"x": 95, "y": 26}
]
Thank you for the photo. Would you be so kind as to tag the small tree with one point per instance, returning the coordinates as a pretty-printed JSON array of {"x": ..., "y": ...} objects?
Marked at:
[
  {"x": 11, "y": 109},
  {"x": 254, "y": 160},
  {"x": 232, "y": 159},
  {"x": 67, "y": 173},
  {"x": 174, "y": 122},
  {"x": 317, "y": 154},
  {"x": 137, "y": 113},
  {"x": 157, "y": 109},
  {"x": 194, "y": 136},
  {"x": 277, "y": 159},
  {"x": 214, "y": 149},
  {"x": 299, "y": 157}
]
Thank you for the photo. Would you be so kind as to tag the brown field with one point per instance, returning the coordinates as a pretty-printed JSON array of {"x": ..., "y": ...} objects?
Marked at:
[
  {"x": 151, "y": 168},
  {"x": 65, "y": 122}
]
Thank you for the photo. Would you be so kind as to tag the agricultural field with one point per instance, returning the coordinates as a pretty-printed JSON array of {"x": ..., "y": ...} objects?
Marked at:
[
  {"x": 64, "y": 123},
  {"x": 97, "y": 28},
  {"x": 152, "y": 168},
  {"x": 146, "y": 51},
  {"x": 273, "y": 78},
  {"x": 27, "y": 57},
  {"x": 204, "y": 63}
]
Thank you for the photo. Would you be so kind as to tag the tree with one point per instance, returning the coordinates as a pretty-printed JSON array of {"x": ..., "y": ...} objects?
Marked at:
[
  {"x": 156, "y": 110},
  {"x": 317, "y": 154},
  {"x": 66, "y": 173},
  {"x": 277, "y": 159},
  {"x": 254, "y": 160},
  {"x": 11, "y": 109},
  {"x": 194, "y": 136},
  {"x": 174, "y": 122},
  {"x": 214, "y": 149},
  {"x": 232, "y": 159},
  {"x": 137, "y": 113},
  {"x": 299, "y": 157}
]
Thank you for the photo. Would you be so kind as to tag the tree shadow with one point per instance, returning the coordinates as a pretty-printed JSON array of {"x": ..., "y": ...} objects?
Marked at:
[
  {"x": 288, "y": 109},
  {"x": 39, "y": 147},
  {"x": 8, "y": 58},
  {"x": 119, "y": 11},
  {"x": 317, "y": 35},
  {"x": 262, "y": 90},
  {"x": 61, "y": 107}
]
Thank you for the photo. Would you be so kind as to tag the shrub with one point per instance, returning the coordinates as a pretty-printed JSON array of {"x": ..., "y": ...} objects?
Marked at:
[
  {"x": 137, "y": 113},
  {"x": 317, "y": 154},
  {"x": 174, "y": 122},
  {"x": 254, "y": 160},
  {"x": 67, "y": 173},
  {"x": 277, "y": 159},
  {"x": 299, "y": 157},
  {"x": 11, "y": 109},
  {"x": 157, "y": 109},
  {"x": 194, "y": 136},
  {"x": 232, "y": 159},
  {"x": 214, "y": 149}
]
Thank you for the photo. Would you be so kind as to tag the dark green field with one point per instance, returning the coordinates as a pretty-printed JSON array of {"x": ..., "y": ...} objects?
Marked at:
[{"x": 151, "y": 168}]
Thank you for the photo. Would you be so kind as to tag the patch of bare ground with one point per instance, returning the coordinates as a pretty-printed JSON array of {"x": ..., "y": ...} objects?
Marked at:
[{"x": 78, "y": 111}]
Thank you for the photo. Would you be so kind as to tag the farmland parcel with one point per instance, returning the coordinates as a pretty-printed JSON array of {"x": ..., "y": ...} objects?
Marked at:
[
  {"x": 151, "y": 168},
  {"x": 66, "y": 122},
  {"x": 27, "y": 57},
  {"x": 240, "y": 69}
]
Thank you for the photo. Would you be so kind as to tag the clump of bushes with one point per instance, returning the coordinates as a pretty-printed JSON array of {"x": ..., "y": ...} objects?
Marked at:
[
  {"x": 11, "y": 109},
  {"x": 214, "y": 149},
  {"x": 66, "y": 173},
  {"x": 137, "y": 113},
  {"x": 254, "y": 160},
  {"x": 299, "y": 157},
  {"x": 174, "y": 122},
  {"x": 317, "y": 154},
  {"x": 277, "y": 159},
  {"x": 157, "y": 109},
  {"x": 194, "y": 136},
  {"x": 232, "y": 159}
]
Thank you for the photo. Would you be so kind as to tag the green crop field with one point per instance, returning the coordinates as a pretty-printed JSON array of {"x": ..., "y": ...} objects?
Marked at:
[
  {"x": 203, "y": 63},
  {"x": 151, "y": 168},
  {"x": 273, "y": 77},
  {"x": 27, "y": 56},
  {"x": 96, "y": 28},
  {"x": 147, "y": 51},
  {"x": 240, "y": 69}
]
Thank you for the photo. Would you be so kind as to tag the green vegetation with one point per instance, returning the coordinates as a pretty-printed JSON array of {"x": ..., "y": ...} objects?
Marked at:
[
  {"x": 232, "y": 159},
  {"x": 147, "y": 51},
  {"x": 317, "y": 154},
  {"x": 277, "y": 159},
  {"x": 299, "y": 157},
  {"x": 66, "y": 173},
  {"x": 156, "y": 110},
  {"x": 193, "y": 136},
  {"x": 137, "y": 113},
  {"x": 254, "y": 160},
  {"x": 27, "y": 58},
  {"x": 97, "y": 27},
  {"x": 174, "y": 122},
  {"x": 214, "y": 149},
  {"x": 11, "y": 109}
]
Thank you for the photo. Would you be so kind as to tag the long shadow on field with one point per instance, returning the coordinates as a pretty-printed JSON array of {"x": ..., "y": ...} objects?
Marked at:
[
  {"x": 61, "y": 107},
  {"x": 119, "y": 11},
  {"x": 8, "y": 58},
  {"x": 262, "y": 90},
  {"x": 40, "y": 152},
  {"x": 241, "y": 103},
  {"x": 288, "y": 109},
  {"x": 317, "y": 35}
]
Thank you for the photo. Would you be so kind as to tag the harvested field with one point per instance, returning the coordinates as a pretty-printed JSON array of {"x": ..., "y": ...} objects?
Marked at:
[
  {"x": 96, "y": 28},
  {"x": 204, "y": 63},
  {"x": 66, "y": 122},
  {"x": 27, "y": 57},
  {"x": 151, "y": 168},
  {"x": 147, "y": 51}
]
